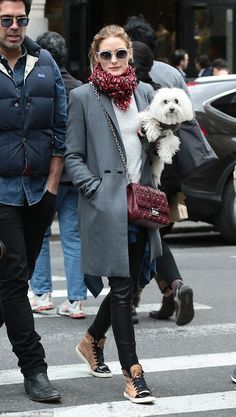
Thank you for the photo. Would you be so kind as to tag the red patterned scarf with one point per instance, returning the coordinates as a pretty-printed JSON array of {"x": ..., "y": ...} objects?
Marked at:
[{"x": 120, "y": 87}]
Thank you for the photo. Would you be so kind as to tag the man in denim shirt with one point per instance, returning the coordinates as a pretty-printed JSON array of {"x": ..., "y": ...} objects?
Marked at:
[{"x": 32, "y": 132}]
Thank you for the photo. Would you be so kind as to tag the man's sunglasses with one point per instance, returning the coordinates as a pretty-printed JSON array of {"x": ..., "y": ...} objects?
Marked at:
[
  {"x": 107, "y": 55},
  {"x": 7, "y": 22}
]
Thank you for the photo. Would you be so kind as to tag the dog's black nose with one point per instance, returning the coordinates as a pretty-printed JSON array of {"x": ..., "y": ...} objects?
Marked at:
[{"x": 172, "y": 109}]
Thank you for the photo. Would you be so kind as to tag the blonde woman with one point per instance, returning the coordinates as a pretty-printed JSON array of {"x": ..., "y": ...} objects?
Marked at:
[{"x": 109, "y": 245}]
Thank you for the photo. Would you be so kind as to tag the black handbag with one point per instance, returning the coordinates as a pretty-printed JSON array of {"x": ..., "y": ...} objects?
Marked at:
[{"x": 195, "y": 151}]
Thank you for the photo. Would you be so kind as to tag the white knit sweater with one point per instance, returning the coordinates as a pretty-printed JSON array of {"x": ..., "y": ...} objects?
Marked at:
[{"x": 129, "y": 123}]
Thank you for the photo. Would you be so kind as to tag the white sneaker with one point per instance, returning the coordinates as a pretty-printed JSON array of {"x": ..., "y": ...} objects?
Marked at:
[
  {"x": 73, "y": 310},
  {"x": 41, "y": 303}
]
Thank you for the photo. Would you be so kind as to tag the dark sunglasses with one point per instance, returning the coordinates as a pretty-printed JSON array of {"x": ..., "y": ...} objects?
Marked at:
[
  {"x": 7, "y": 22},
  {"x": 107, "y": 55}
]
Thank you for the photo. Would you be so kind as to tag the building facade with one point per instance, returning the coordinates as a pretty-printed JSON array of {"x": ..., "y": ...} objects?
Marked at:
[{"x": 199, "y": 27}]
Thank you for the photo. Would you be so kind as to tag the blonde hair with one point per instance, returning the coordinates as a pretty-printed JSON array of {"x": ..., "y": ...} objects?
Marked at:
[{"x": 114, "y": 31}]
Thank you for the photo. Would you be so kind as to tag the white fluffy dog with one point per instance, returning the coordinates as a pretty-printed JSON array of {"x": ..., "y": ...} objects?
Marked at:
[{"x": 169, "y": 108}]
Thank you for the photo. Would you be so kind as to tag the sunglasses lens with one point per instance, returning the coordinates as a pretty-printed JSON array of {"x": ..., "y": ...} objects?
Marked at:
[
  {"x": 121, "y": 54},
  {"x": 6, "y": 22},
  {"x": 22, "y": 21},
  {"x": 105, "y": 55}
]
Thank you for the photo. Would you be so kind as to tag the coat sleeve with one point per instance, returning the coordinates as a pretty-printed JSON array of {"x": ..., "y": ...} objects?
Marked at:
[{"x": 76, "y": 148}]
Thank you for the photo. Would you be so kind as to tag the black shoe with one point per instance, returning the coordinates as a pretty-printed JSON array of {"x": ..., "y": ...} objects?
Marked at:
[
  {"x": 184, "y": 305},
  {"x": 233, "y": 375},
  {"x": 167, "y": 309},
  {"x": 39, "y": 388},
  {"x": 134, "y": 315}
]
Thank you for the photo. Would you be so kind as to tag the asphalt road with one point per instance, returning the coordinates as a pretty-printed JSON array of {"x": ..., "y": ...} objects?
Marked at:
[{"x": 188, "y": 368}]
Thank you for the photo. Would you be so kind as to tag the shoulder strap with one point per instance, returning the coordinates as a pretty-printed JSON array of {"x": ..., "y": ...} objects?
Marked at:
[{"x": 123, "y": 160}]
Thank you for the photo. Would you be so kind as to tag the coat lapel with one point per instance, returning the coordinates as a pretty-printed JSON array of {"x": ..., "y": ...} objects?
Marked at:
[{"x": 109, "y": 108}]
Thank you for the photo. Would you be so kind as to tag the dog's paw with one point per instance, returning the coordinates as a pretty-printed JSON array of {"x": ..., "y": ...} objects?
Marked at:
[
  {"x": 167, "y": 147},
  {"x": 153, "y": 131}
]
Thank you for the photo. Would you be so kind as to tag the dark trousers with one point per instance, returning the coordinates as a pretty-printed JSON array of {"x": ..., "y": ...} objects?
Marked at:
[
  {"x": 166, "y": 265},
  {"x": 22, "y": 230},
  {"x": 116, "y": 309}
]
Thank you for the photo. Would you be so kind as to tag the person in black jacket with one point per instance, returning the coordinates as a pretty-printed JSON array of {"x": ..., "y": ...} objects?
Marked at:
[
  {"x": 67, "y": 211},
  {"x": 203, "y": 66},
  {"x": 32, "y": 133},
  {"x": 177, "y": 297}
]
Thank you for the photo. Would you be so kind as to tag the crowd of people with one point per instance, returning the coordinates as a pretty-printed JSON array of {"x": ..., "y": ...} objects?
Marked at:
[{"x": 48, "y": 116}]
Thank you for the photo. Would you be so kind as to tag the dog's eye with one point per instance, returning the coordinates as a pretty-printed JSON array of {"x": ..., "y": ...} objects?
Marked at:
[
  {"x": 165, "y": 101},
  {"x": 176, "y": 100}
]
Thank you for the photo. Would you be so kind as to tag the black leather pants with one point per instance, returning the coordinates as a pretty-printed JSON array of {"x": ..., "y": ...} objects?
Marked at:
[{"x": 116, "y": 310}]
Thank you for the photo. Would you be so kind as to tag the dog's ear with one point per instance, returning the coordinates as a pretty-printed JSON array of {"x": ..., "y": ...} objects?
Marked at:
[{"x": 185, "y": 104}]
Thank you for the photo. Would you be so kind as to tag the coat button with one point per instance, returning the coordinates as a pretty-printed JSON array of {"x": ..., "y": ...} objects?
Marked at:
[{"x": 16, "y": 104}]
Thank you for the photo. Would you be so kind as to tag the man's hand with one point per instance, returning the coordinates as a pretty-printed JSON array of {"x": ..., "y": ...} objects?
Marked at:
[{"x": 54, "y": 174}]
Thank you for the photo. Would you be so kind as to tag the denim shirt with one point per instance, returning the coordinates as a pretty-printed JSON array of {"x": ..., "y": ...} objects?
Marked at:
[{"x": 15, "y": 191}]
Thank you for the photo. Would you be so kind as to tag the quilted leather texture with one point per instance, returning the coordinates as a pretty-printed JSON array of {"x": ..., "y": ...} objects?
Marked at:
[{"x": 147, "y": 206}]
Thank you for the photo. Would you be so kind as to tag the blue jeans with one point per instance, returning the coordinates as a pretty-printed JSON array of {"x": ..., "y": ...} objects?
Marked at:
[{"x": 67, "y": 211}]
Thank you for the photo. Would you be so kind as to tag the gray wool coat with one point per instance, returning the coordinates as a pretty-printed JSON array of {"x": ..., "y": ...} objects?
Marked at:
[{"x": 93, "y": 163}]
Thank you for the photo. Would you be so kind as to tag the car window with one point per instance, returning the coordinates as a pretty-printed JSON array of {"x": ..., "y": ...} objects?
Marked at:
[{"x": 226, "y": 104}]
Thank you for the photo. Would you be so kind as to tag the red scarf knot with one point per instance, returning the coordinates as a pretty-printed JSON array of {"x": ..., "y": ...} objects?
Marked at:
[{"x": 118, "y": 87}]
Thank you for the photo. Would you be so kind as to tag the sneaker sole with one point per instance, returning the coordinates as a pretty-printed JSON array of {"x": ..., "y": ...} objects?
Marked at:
[
  {"x": 184, "y": 306},
  {"x": 96, "y": 374},
  {"x": 71, "y": 315},
  {"x": 233, "y": 379},
  {"x": 144, "y": 400},
  {"x": 39, "y": 309}
]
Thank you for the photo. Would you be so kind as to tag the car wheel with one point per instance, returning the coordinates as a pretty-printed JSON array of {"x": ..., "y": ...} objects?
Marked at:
[{"x": 226, "y": 217}]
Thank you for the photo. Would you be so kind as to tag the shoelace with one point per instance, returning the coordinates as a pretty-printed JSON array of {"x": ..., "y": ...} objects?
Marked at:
[
  {"x": 98, "y": 353},
  {"x": 100, "y": 356},
  {"x": 141, "y": 386}
]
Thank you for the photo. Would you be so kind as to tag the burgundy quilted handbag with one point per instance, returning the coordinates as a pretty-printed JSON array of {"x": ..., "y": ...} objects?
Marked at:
[{"x": 147, "y": 206}]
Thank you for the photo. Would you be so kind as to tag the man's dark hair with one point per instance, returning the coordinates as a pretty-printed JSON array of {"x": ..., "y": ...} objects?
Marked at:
[
  {"x": 203, "y": 61},
  {"x": 220, "y": 63},
  {"x": 177, "y": 56},
  {"x": 140, "y": 30},
  {"x": 27, "y": 4},
  {"x": 55, "y": 44}
]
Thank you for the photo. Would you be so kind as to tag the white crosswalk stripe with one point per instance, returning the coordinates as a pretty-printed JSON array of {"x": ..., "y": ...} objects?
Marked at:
[
  {"x": 174, "y": 363},
  {"x": 92, "y": 310},
  {"x": 163, "y": 406}
]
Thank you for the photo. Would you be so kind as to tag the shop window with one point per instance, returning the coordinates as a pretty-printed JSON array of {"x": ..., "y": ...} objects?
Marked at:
[
  {"x": 54, "y": 13},
  {"x": 212, "y": 32}
]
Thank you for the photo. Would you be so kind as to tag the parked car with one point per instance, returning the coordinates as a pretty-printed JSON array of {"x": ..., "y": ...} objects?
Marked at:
[{"x": 210, "y": 193}]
